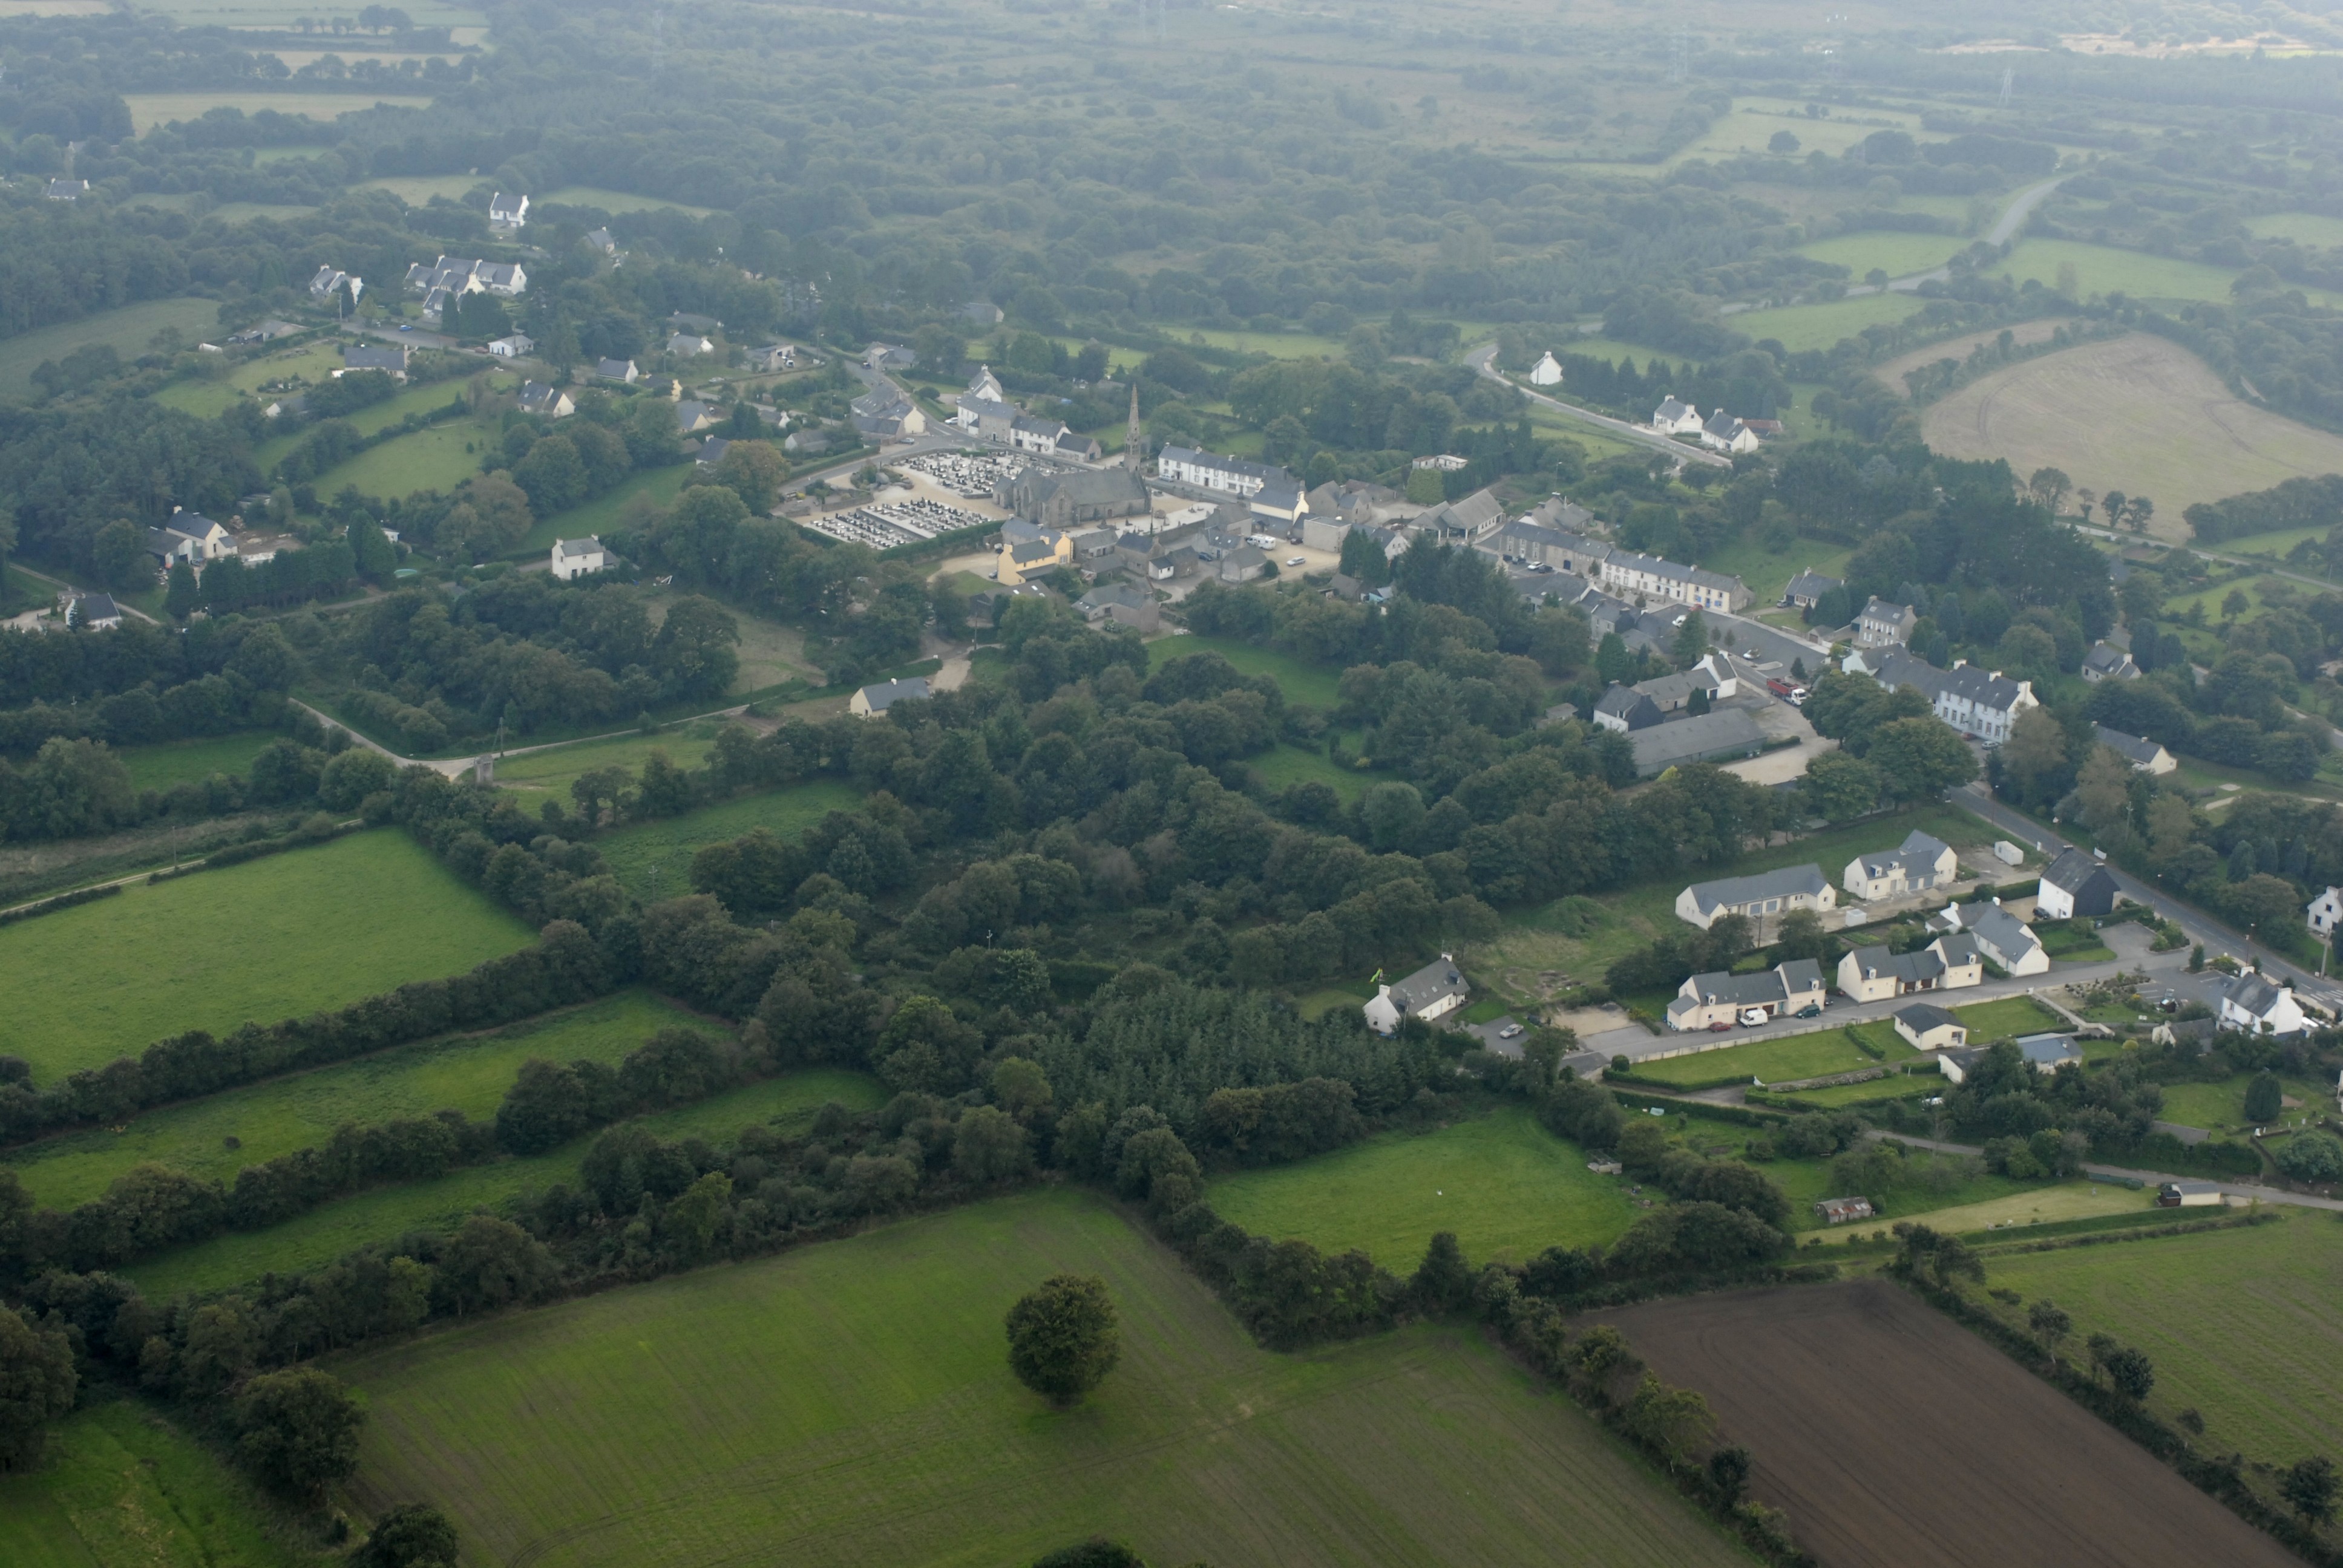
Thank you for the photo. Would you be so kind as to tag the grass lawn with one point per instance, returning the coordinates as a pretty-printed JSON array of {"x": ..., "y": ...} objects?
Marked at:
[
  {"x": 601, "y": 514},
  {"x": 121, "y": 1487},
  {"x": 1768, "y": 572},
  {"x": 1900, "y": 253},
  {"x": 2241, "y": 1325},
  {"x": 205, "y": 396},
  {"x": 1508, "y": 1188},
  {"x": 169, "y": 762},
  {"x": 416, "y": 190},
  {"x": 423, "y": 400},
  {"x": 220, "y": 1134},
  {"x": 2011, "y": 1015},
  {"x": 2221, "y": 1107},
  {"x": 1287, "y": 765},
  {"x": 553, "y": 769},
  {"x": 271, "y": 939},
  {"x": 439, "y": 458},
  {"x": 612, "y": 201},
  {"x": 1897, "y": 1086},
  {"x": 654, "y": 859},
  {"x": 1822, "y": 325},
  {"x": 127, "y": 329},
  {"x": 1314, "y": 685},
  {"x": 384, "y": 1213},
  {"x": 847, "y": 1403},
  {"x": 1797, "y": 1056}
]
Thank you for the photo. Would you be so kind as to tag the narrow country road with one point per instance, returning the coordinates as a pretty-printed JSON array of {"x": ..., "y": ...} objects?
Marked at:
[
  {"x": 2250, "y": 1190},
  {"x": 1482, "y": 360}
]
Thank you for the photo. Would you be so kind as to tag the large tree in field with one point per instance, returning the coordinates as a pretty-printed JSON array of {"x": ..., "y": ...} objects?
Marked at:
[
  {"x": 300, "y": 1431},
  {"x": 36, "y": 1383},
  {"x": 1063, "y": 1338},
  {"x": 409, "y": 1536}
]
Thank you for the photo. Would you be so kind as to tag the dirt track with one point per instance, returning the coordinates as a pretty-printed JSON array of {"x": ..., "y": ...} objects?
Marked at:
[{"x": 1891, "y": 1435}]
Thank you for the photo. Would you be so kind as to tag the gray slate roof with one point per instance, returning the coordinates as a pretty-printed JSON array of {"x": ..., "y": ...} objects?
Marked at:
[
  {"x": 1787, "y": 881},
  {"x": 887, "y": 693},
  {"x": 1428, "y": 985},
  {"x": 1924, "y": 1016},
  {"x": 1710, "y": 735}
]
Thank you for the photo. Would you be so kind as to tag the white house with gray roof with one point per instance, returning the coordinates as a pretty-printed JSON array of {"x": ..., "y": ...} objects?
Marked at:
[
  {"x": 2256, "y": 1005},
  {"x": 1229, "y": 476},
  {"x": 873, "y": 701},
  {"x": 575, "y": 557},
  {"x": 1433, "y": 991},
  {"x": 1706, "y": 1001},
  {"x": 1674, "y": 418},
  {"x": 1655, "y": 576},
  {"x": 1765, "y": 893},
  {"x": 1915, "y": 866},
  {"x": 2008, "y": 940},
  {"x": 1980, "y": 703},
  {"x": 2144, "y": 756}
]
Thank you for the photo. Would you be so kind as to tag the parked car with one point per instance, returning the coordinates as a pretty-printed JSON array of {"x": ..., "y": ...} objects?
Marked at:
[
  {"x": 1812, "y": 1010},
  {"x": 1751, "y": 1017},
  {"x": 1299, "y": 561},
  {"x": 1720, "y": 1026},
  {"x": 1510, "y": 1030}
]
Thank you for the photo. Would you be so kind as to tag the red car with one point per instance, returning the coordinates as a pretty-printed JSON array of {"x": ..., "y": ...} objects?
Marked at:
[{"x": 1721, "y": 1027}]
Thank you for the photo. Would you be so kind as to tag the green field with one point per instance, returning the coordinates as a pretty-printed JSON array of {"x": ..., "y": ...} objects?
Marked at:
[
  {"x": 169, "y": 762},
  {"x": 612, "y": 201},
  {"x": 1768, "y": 572},
  {"x": 849, "y": 1404},
  {"x": 148, "y": 110},
  {"x": 555, "y": 768},
  {"x": 205, "y": 396},
  {"x": 654, "y": 859},
  {"x": 416, "y": 190},
  {"x": 1801, "y": 327},
  {"x": 439, "y": 458},
  {"x": 601, "y": 514},
  {"x": 1899, "y": 254},
  {"x": 1286, "y": 765},
  {"x": 2011, "y": 1015},
  {"x": 1508, "y": 1188},
  {"x": 127, "y": 330},
  {"x": 385, "y": 1213},
  {"x": 268, "y": 939},
  {"x": 428, "y": 399},
  {"x": 2104, "y": 269},
  {"x": 456, "y": 1073},
  {"x": 2240, "y": 1325},
  {"x": 2221, "y": 1107},
  {"x": 1312, "y": 685},
  {"x": 2304, "y": 228},
  {"x": 121, "y": 1487},
  {"x": 1793, "y": 1057}
]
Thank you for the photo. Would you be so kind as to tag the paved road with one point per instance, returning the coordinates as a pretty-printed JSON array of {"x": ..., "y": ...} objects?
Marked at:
[
  {"x": 2004, "y": 228},
  {"x": 2250, "y": 1190},
  {"x": 1479, "y": 359}
]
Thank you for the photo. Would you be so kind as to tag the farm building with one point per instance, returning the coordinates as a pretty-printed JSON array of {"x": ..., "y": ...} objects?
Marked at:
[
  {"x": 2077, "y": 884},
  {"x": 1930, "y": 1028},
  {"x": 1431, "y": 991},
  {"x": 1709, "y": 737},
  {"x": 1842, "y": 1211},
  {"x": 873, "y": 701},
  {"x": 1766, "y": 893},
  {"x": 1918, "y": 864},
  {"x": 1706, "y": 1001}
]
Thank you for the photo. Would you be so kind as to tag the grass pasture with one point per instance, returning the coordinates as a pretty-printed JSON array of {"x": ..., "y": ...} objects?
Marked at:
[
  {"x": 659, "y": 486},
  {"x": 1892, "y": 372},
  {"x": 1287, "y": 765},
  {"x": 126, "y": 329},
  {"x": 168, "y": 762},
  {"x": 761, "y": 1413},
  {"x": 613, "y": 202},
  {"x": 456, "y": 1073},
  {"x": 271, "y": 939},
  {"x": 1508, "y": 1188},
  {"x": 1312, "y": 685},
  {"x": 553, "y": 769},
  {"x": 148, "y": 110},
  {"x": 654, "y": 859},
  {"x": 2106, "y": 269},
  {"x": 206, "y": 396},
  {"x": 384, "y": 1213},
  {"x": 2241, "y": 1325},
  {"x": 2302, "y": 227},
  {"x": 121, "y": 1487},
  {"x": 1822, "y": 325},
  {"x": 1893, "y": 251},
  {"x": 1792, "y": 1057},
  {"x": 438, "y": 458},
  {"x": 2184, "y": 438}
]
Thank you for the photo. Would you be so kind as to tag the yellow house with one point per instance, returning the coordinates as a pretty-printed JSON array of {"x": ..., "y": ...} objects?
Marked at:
[{"x": 1027, "y": 551}]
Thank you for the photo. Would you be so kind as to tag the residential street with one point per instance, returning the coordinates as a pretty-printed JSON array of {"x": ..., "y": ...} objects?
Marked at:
[{"x": 1480, "y": 360}]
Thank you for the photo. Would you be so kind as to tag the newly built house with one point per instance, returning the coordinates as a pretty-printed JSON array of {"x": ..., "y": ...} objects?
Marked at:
[
  {"x": 1706, "y": 1001},
  {"x": 1433, "y": 991},
  {"x": 1765, "y": 893}
]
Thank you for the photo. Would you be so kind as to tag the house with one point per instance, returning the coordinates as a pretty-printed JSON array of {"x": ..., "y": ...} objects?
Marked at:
[
  {"x": 1930, "y": 1028},
  {"x": 1956, "y": 1064},
  {"x": 2107, "y": 662},
  {"x": 887, "y": 413},
  {"x": 1431, "y": 991},
  {"x": 289, "y": 408},
  {"x": 619, "y": 370},
  {"x": 1443, "y": 463},
  {"x": 888, "y": 356},
  {"x": 600, "y": 240},
  {"x": 1765, "y": 893},
  {"x": 1539, "y": 545},
  {"x": 508, "y": 211},
  {"x": 538, "y": 397},
  {"x": 1279, "y": 500},
  {"x": 692, "y": 416},
  {"x": 2077, "y": 884},
  {"x": 1244, "y": 564},
  {"x": 1674, "y": 418},
  {"x": 1806, "y": 589},
  {"x": 2258, "y": 1007},
  {"x": 194, "y": 537},
  {"x": 93, "y": 612},
  {"x": 1652, "y": 577},
  {"x": 1064, "y": 498},
  {"x": 2049, "y": 1052},
  {"x": 1918, "y": 864},
  {"x": 1673, "y": 693},
  {"x": 67, "y": 190},
  {"x": 1709, "y": 737},
  {"x": 1229, "y": 476},
  {"x": 1787, "y": 988},
  {"x": 2323, "y": 911},
  {"x": 1875, "y": 974},
  {"x": 711, "y": 451},
  {"x": 690, "y": 343},
  {"x": 983, "y": 312},
  {"x": 1843, "y": 1211},
  {"x": 2144, "y": 756},
  {"x": 391, "y": 359},
  {"x": 873, "y": 701},
  {"x": 1882, "y": 623},
  {"x": 774, "y": 357},
  {"x": 1547, "y": 371},
  {"x": 575, "y": 557},
  {"x": 450, "y": 275},
  {"x": 1979, "y": 703},
  {"x": 330, "y": 281},
  {"x": 1626, "y": 709},
  {"x": 1723, "y": 433},
  {"x": 2008, "y": 940},
  {"x": 1136, "y": 605},
  {"x": 1464, "y": 521}
]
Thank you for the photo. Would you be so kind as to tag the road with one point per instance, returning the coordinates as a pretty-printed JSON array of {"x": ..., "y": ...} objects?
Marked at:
[
  {"x": 457, "y": 766},
  {"x": 2247, "y": 1189},
  {"x": 1480, "y": 360},
  {"x": 2004, "y": 228}
]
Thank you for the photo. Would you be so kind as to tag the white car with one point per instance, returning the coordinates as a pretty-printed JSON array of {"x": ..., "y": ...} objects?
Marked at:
[
  {"x": 1751, "y": 1017},
  {"x": 1299, "y": 561},
  {"x": 1510, "y": 1030}
]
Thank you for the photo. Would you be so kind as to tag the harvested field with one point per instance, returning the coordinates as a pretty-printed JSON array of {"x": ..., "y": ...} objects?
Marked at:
[
  {"x": 1891, "y": 1434},
  {"x": 2183, "y": 437}
]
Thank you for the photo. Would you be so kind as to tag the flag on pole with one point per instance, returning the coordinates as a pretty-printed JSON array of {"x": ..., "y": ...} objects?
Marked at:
[{"x": 1376, "y": 977}]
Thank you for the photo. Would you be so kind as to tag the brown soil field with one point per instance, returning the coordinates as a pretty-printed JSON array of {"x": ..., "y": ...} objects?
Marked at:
[
  {"x": 1893, "y": 371},
  {"x": 1891, "y": 1434},
  {"x": 2138, "y": 413}
]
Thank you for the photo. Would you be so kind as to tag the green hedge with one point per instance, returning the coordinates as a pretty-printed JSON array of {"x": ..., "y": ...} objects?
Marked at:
[
  {"x": 62, "y": 901},
  {"x": 1740, "y": 1115}
]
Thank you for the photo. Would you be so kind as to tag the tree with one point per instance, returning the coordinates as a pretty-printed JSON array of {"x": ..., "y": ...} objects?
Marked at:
[
  {"x": 754, "y": 471},
  {"x": 2263, "y": 1097},
  {"x": 36, "y": 1384},
  {"x": 989, "y": 1146},
  {"x": 1063, "y": 1338},
  {"x": 118, "y": 555},
  {"x": 1669, "y": 1422},
  {"x": 1096, "y": 1553},
  {"x": 2132, "y": 1373},
  {"x": 2311, "y": 1157},
  {"x": 2309, "y": 1486},
  {"x": 1919, "y": 758},
  {"x": 489, "y": 1263},
  {"x": 409, "y": 1536},
  {"x": 180, "y": 597},
  {"x": 2234, "y": 604},
  {"x": 1839, "y": 788},
  {"x": 299, "y": 1431},
  {"x": 2050, "y": 1323},
  {"x": 1728, "y": 1473},
  {"x": 2050, "y": 488},
  {"x": 1691, "y": 640},
  {"x": 694, "y": 652},
  {"x": 2263, "y": 904},
  {"x": 1443, "y": 1280},
  {"x": 1785, "y": 142},
  {"x": 1425, "y": 486},
  {"x": 371, "y": 549}
]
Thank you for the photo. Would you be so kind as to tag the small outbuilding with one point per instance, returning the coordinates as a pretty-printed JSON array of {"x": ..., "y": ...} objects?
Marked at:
[
  {"x": 2049, "y": 1052},
  {"x": 873, "y": 701},
  {"x": 2190, "y": 1195},
  {"x": 1843, "y": 1211}
]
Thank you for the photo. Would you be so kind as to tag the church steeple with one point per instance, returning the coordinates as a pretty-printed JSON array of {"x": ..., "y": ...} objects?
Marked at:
[{"x": 1134, "y": 444}]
